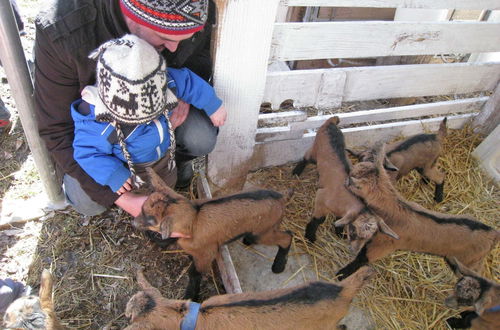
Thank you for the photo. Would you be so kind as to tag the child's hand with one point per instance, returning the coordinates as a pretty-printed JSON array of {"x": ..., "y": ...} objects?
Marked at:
[
  {"x": 127, "y": 186},
  {"x": 179, "y": 114},
  {"x": 218, "y": 118}
]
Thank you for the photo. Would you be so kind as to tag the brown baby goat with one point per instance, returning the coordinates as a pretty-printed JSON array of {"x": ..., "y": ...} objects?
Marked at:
[
  {"x": 419, "y": 229},
  {"x": 315, "y": 305},
  {"x": 474, "y": 290},
  {"x": 204, "y": 225},
  {"x": 32, "y": 312},
  {"x": 419, "y": 152},
  {"x": 332, "y": 197}
]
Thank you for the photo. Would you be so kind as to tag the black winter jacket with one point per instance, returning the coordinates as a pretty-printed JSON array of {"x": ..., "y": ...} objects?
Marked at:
[{"x": 66, "y": 32}]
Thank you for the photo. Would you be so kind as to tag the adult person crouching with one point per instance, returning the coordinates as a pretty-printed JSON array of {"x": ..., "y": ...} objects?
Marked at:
[{"x": 68, "y": 31}]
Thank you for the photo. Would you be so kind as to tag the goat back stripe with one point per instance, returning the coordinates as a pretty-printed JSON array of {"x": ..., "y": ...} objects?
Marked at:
[
  {"x": 421, "y": 138},
  {"x": 471, "y": 224},
  {"x": 257, "y": 195},
  {"x": 337, "y": 143},
  {"x": 310, "y": 294}
]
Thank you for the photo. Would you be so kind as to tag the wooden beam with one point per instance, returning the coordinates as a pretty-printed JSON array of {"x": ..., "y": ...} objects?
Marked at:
[
  {"x": 368, "y": 83},
  {"x": 434, "y": 4},
  {"x": 316, "y": 40},
  {"x": 489, "y": 117}
]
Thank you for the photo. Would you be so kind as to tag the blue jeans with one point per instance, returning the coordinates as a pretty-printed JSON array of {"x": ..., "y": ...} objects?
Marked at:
[{"x": 195, "y": 137}]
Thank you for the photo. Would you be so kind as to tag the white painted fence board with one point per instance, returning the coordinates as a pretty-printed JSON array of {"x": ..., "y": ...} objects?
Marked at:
[
  {"x": 282, "y": 118},
  {"x": 431, "y": 4},
  {"x": 305, "y": 89},
  {"x": 411, "y": 111},
  {"x": 239, "y": 79},
  {"x": 368, "y": 83},
  {"x": 316, "y": 40},
  {"x": 296, "y": 130},
  {"x": 281, "y": 152}
]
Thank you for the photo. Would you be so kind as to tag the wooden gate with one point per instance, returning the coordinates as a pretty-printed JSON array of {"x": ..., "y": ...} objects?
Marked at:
[{"x": 251, "y": 33}]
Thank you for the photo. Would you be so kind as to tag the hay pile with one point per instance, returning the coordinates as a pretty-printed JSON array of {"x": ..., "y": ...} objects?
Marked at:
[{"x": 409, "y": 289}]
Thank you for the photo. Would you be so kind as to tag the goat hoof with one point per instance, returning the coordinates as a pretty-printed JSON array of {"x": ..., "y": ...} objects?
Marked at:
[
  {"x": 454, "y": 322},
  {"x": 278, "y": 267},
  {"x": 311, "y": 237}
]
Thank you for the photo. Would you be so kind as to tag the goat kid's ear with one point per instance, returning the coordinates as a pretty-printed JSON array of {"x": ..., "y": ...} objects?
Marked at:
[
  {"x": 46, "y": 284},
  {"x": 389, "y": 166},
  {"x": 165, "y": 229},
  {"x": 459, "y": 269},
  {"x": 160, "y": 185},
  {"x": 451, "y": 302},
  {"x": 481, "y": 304},
  {"x": 353, "y": 153},
  {"x": 384, "y": 228}
]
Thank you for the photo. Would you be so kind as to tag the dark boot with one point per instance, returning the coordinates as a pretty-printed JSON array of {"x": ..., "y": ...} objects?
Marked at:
[{"x": 184, "y": 174}]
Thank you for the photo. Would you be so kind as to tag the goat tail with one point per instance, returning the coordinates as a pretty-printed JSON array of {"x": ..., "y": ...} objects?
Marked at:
[{"x": 443, "y": 129}]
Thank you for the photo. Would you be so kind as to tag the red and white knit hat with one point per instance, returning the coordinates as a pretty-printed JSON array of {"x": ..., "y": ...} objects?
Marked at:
[{"x": 168, "y": 16}]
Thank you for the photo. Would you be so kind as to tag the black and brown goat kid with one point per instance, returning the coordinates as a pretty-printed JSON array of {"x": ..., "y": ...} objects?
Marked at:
[
  {"x": 474, "y": 290},
  {"x": 419, "y": 229},
  {"x": 202, "y": 226},
  {"x": 419, "y": 152},
  {"x": 314, "y": 305},
  {"x": 332, "y": 197}
]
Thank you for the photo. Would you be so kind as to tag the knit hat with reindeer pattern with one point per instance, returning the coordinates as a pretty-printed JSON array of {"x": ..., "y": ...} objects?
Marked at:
[{"x": 132, "y": 87}]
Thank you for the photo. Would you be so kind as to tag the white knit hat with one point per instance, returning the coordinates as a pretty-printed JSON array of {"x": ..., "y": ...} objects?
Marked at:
[
  {"x": 131, "y": 81},
  {"x": 132, "y": 88}
]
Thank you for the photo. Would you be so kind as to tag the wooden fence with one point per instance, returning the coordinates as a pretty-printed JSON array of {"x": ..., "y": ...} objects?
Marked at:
[{"x": 251, "y": 34}]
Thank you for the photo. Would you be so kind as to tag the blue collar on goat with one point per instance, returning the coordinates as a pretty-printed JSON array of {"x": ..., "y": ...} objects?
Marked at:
[
  {"x": 189, "y": 321},
  {"x": 493, "y": 309}
]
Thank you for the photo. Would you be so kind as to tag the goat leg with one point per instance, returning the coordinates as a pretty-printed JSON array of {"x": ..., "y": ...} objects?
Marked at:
[
  {"x": 299, "y": 168},
  {"x": 282, "y": 255},
  {"x": 358, "y": 262},
  {"x": 193, "y": 288},
  {"x": 438, "y": 194},
  {"x": 312, "y": 227},
  {"x": 463, "y": 322}
]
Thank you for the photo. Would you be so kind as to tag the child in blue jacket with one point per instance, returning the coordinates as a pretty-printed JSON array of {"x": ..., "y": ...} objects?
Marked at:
[{"x": 122, "y": 124}]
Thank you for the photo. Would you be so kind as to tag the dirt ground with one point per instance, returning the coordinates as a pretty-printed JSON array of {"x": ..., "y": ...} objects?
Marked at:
[{"x": 93, "y": 260}]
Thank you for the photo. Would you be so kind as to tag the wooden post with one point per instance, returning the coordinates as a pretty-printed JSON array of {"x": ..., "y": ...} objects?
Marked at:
[
  {"x": 14, "y": 63},
  {"x": 489, "y": 117},
  {"x": 244, "y": 34}
]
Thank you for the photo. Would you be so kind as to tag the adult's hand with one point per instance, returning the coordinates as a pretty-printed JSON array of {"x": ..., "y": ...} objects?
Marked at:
[
  {"x": 218, "y": 118},
  {"x": 131, "y": 203},
  {"x": 179, "y": 114}
]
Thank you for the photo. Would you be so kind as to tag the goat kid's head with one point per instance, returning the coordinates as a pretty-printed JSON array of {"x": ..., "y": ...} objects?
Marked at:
[
  {"x": 164, "y": 211},
  {"x": 30, "y": 312},
  {"x": 149, "y": 304},
  {"x": 470, "y": 290},
  {"x": 366, "y": 178},
  {"x": 367, "y": 155},
  {"x": 363, "y": 228}
]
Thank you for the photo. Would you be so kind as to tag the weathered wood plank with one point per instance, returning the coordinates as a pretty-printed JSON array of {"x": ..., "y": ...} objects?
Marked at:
[
  {"x": 282, "y": 118},
  {"x": 489, "y": 117},
  {"x": 296, "y": 129},
  {"x": 368, "y": 83},
  {"x": 435, "y": 4},
  {"x": 281, "y": 152},
  {"x": 316, "y": 40},
  {"x": 306, "y": 89}
]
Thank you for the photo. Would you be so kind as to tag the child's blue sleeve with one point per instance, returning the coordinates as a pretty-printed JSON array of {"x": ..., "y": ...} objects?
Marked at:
[
  {"x": 193, "y": 90},
  {"x": 94, "y": 154}
]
